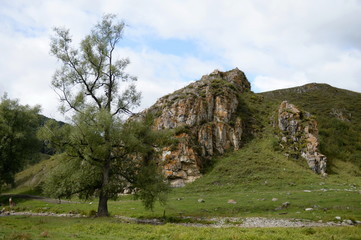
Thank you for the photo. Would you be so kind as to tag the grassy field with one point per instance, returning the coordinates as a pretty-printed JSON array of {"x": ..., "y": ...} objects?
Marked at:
[
  {"x": 247, "y": 177},
  {"x": 23, "y": 227}
]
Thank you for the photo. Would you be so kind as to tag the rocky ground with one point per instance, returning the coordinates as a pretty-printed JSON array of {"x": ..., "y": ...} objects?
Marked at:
[{"x": 217, "y": 222}]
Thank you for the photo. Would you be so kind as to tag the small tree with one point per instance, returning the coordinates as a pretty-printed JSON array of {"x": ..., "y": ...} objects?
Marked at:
[
  {"x": 18, "y": 142},
  {"x": 103, "y": 154}
]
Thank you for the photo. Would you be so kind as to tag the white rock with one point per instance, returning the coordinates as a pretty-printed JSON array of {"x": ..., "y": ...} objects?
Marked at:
[
  {"x": 309, "y": 209},
  {"x": 348, "y": 222},
  {"x": 338, "y": 218},
  {"x": 274, "y": 199}
]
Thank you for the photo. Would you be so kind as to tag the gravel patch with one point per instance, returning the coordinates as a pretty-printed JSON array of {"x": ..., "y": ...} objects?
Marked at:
[{"x": 217, "y": 222}]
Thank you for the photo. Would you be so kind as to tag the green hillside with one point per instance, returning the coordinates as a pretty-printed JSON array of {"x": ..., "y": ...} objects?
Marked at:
[
  {"x": 261, "y": 163},
  {"x": 260, "y": 171},
  {"x": 338, "y": 113}
]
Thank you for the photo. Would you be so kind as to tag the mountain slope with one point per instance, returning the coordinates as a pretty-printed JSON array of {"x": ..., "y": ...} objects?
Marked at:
[
  {"x": 261, "y": 164},
  {"x": 338, "y": 113},
  {"x": 259, "y": 160}
]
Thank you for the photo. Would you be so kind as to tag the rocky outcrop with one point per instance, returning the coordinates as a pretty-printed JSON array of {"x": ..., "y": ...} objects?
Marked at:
[
  {"x": 204, "y": 116},
  {"x": 299, "y": 136}
]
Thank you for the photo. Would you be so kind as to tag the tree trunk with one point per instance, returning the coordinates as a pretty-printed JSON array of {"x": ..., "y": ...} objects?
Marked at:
[
  {"x": 103, "y": 205},
  {"x": 103, "y": 196}
]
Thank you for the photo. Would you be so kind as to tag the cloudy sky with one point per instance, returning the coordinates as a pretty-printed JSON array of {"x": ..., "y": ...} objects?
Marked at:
[{"x": 277, "y": 43}]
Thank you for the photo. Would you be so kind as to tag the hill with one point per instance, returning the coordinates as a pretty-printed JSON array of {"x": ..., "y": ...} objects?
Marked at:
[{"x": 219, "y": 114}]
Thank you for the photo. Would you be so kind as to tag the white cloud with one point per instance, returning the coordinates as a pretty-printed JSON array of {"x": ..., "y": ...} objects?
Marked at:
[
  {"x": 279, "y": 43},
  {"x": 159, "y": 74},
  {"x": 267, "y": 83}
]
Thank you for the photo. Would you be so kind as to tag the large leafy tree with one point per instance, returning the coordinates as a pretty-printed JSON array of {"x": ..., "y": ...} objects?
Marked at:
[
  {"x": 103, "y": 154},
  {"x": 18, "y": 142}
]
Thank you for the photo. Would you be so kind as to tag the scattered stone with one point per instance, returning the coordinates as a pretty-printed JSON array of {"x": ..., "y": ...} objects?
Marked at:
[
  {"x": 44, "y": 234},
  {"x": 231, "y": 201},
  {"x": 307, "y": 190},
  {"x": 338, "y": 218},
  {"x": 201, "y": 200},
  {"x": 274, "y": 199},
  {"x": 309, "y": 209},
  {"x": 285, "y": 205},
  {"x": 348, "y": 222}
]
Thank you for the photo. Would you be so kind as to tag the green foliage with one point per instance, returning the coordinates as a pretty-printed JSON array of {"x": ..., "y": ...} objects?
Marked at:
[
  {"x": 18, "y": 143},
  {"x": 103, "y": 154},
  {"x": 151, "y": 186},
  {"x": 72, "y": 176},
  {"x": 220, "y": 87}
]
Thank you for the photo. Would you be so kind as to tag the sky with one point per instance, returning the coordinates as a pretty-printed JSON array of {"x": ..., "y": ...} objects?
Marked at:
[{"x": 170, "y": 43}]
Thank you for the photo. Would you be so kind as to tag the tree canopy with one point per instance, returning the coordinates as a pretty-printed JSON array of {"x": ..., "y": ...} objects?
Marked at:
[
  {"x": 18, "y": 142},
  {"x": 103, "y": 153}
]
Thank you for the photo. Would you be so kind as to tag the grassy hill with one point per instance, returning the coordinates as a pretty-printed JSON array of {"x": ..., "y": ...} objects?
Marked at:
[{"x": 259, "y": 177}]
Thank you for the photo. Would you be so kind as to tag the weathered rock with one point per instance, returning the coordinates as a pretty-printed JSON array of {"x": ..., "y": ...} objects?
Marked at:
[
  {"x": 231, "y": 201},
  {"x": 341, "y": 114},
  {"x": 204, "y": 116},
  {"x": 348, "y": 222},
  {"x": 299, "y": 136}
]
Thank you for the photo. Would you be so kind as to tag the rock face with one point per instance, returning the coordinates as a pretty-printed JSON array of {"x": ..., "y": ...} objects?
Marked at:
[
  {"x": 299, "y": 136},
  {"x": 204, "y": 116}
]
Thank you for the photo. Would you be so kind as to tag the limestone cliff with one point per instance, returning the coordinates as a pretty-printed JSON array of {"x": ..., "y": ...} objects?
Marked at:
[
  {"x": 299, "y": 136},
  {"x": 204, "y": 116}
]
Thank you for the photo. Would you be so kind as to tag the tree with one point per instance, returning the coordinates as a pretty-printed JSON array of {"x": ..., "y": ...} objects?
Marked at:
[
  {"x": 103, "y": 154},
  {"x": 18, "y": 142}
]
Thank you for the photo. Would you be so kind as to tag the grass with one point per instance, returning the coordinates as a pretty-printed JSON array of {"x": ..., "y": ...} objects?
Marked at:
[{"x": 23, "y": 227}]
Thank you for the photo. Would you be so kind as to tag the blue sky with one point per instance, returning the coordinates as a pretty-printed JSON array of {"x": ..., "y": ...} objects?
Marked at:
[{"x": 277, "y": 43}]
